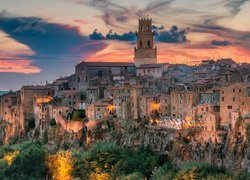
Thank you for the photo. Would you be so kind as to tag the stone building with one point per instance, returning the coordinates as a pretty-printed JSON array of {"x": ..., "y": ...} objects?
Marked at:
[
  {"x": 155, "y": 105},
  {"x": 231, "y": 101},
  {"x": 95, "y": 73},
  {"x": 10, "y": 116},
  {"x": 211, "y": 121},
  {"x": 149, "y": 105},
  {"x": 145, "y": 52},
  {"x": 28, "y": 97},
  {"x": 154, "y": 70},
  {"x": 183, "y": 104},
  {"x": 43, "y": 115},
  {"x": 99, "y": 110}
]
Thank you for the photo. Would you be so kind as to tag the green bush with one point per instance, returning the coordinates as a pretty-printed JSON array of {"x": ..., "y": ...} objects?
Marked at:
[
  {"x": 31, "y": 123},
  {"x": 28, "y": 164},
  {"x": 79, "y": 114},
  {"x": 52, "y": 122},
  {"x": 167, "y": 171}
]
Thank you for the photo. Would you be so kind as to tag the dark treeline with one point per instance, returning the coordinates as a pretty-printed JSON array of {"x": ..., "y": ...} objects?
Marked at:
[{"x": 102, "y": 161}]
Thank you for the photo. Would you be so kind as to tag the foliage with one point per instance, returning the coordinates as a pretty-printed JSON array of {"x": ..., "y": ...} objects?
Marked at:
[
  {"x": 142, "y": 161},
  {"x": 60, "y": 165},
  {"x": 102, "y": 161},
  {"x": 31, "y": 123},
  {"x": 52, "y": 122},
  {"x": 9, "y": 157},
  {"x": 78, "y": 114},
  {"x": 203, "y": 169},
  {"x": 106, "y": 160},
  {"x": 29, "y": 162},
  {"x": 98, "y": 161},
  {"x": 45, "y": 137},
  {"x": 3, "y": 168},
  {"x": 133, "y": 176},
  {"x": 248, "y": 135},
  {"x": 167, "y": 171}
]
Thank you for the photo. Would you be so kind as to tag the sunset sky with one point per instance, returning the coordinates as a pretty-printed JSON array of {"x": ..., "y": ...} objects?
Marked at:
[{"x": 43, "y": 40}]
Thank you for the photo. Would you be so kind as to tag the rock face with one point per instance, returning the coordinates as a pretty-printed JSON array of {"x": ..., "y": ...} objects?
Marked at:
[{"x": 185, "y": 145}]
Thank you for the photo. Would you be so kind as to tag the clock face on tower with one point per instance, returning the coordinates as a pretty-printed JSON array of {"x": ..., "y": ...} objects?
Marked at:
[{"x": 145, "y": 52}]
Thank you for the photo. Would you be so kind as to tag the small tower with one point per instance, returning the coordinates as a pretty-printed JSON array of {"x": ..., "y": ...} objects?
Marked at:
[{"x": 145, "y": 52}]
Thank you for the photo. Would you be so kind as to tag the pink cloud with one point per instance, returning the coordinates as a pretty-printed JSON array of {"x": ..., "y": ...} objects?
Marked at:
[{"x": 18, "y": 66}]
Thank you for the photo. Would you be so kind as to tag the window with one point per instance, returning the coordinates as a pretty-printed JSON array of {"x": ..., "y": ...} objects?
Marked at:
[
  {"x": 233, "y": 99},
  {"x": 222, "y": 98},
  {"x": 229, "y": 107},
  {"x": 222, "y": 92},
  {"x": 140, "y": 43},
  {"x": 69, "y": 96},
  {"x": 148, "y": 44},
  {"x": 233, "y": 90},
  {"x": 239, "y": 90},
  {"x": 206, "y": 108}
]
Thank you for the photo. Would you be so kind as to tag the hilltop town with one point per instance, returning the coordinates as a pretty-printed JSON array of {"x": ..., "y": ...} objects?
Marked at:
[{"x": 160, "y": 101}]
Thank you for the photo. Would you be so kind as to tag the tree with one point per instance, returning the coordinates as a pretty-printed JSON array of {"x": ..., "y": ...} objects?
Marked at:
[
  {"x": 167, "y": 171},
  {"x": 60, "y": 165},
  {"x": 29, "y": 163},
  {"x": 31, "y": 123},
  {"x": 45, "y": 137},
  {"x": 52, "y": 122}
]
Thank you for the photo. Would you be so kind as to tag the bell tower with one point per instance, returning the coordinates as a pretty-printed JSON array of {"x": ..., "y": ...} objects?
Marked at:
[{"x": 145, "y": 52}]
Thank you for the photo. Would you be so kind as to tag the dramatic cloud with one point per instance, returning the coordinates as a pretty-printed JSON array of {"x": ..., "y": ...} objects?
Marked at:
[
  {"x": 235, "y": 5},
  {"x": 18, "y": 66},
  {"x": 157, "y": 28},
  {"x": 47, "y": 39},
  {"x": 171, "y": 36},
  {"x": 221, "y": 43},
  {"x": 130, "y": 36},
  {"x": 161, "y": 35},
  {"x": 113, "y": 14}
]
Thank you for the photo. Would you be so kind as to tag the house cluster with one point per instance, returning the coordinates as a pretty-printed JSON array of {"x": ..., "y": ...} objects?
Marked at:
[{"x": 212, "y": 95}]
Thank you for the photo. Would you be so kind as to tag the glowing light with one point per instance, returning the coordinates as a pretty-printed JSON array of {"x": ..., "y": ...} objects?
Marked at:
[
  {"x": 188, "y": 118},
  {"x": 9, "y": 157},
  {"x": 111, "y": 107},
  {"x": 156, "y": 106},
  {"x": 151, "y": 121},
  {"x": 60, "y": 165},
  {"x": 157, "y": 121},
  {"x": 44, "y": 100}
]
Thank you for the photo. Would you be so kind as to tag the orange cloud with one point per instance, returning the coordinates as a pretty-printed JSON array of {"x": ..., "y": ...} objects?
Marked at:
[{"x": 18, "y": 66}]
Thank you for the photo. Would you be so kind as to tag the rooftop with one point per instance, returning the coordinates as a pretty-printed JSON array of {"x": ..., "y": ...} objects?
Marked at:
[
  {"x": 142, "y": 66},
  {"x": 107, "y": 64}
]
